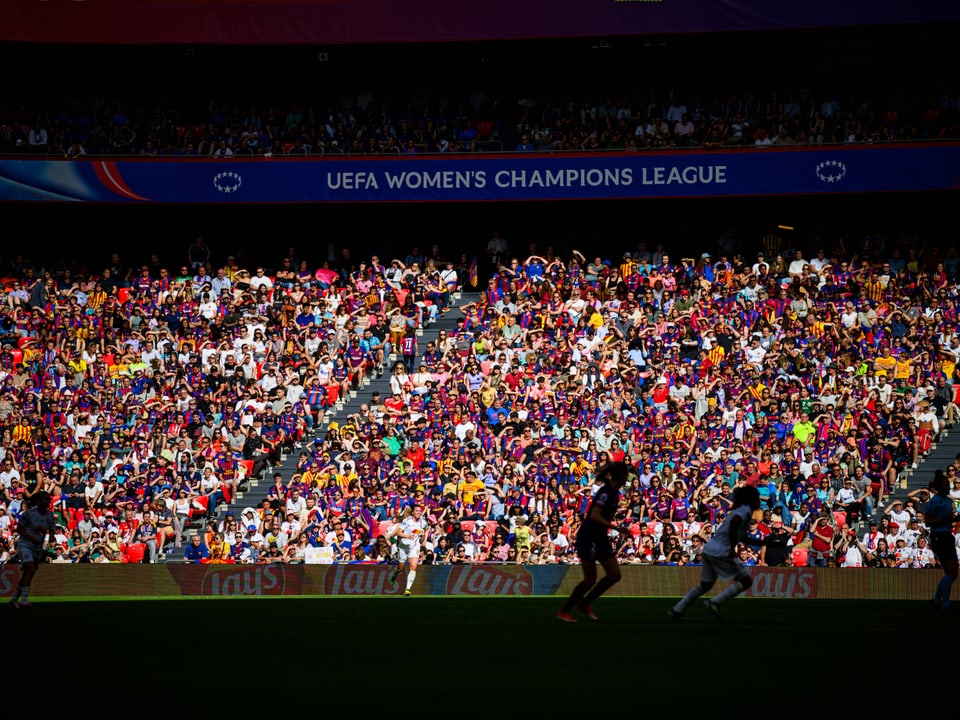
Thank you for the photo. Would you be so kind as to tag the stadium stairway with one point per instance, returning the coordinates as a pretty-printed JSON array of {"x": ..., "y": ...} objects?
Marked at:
[
  {"x": 942, "y": 453},
  {"x": 253, "y": 491}
]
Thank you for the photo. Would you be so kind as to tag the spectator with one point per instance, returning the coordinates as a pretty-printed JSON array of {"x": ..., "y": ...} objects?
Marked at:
[
  {"x": 531, "y": 354},
  {"x": 196, "y": 551}
]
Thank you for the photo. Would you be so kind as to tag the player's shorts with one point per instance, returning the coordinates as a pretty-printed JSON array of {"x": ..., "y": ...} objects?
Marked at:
[
  {"x": 725, "y": 568},
  {"x": 405, "y": 552},
  {"x": 30, "y": 554},
  {"x": 598, "y": 549},
  {"x": 943, "y": 546}
]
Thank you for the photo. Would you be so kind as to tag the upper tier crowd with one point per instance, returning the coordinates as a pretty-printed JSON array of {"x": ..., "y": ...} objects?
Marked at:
[
  {"x": 479, "y": 122},
  {"x": 143, "y": 398}
]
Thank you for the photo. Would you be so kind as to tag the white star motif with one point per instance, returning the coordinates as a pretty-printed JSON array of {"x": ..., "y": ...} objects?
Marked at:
[
  {"x": 227, "y": 182},
  {"x": 831, "y": 171}
]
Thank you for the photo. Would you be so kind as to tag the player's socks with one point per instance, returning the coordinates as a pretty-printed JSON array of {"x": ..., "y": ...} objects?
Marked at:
[
  {"x": 411, "y": 576},
  {"x": 576, "y": 597},
  {"x": 731, "y": 591},
  {"x": 943, "y": 591},
  {"x": 604, "y": 584},
  {"x": 692, "y": 594}
]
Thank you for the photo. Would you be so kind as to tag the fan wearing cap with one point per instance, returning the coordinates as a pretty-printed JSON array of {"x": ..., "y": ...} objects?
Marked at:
[
  {"x": 251, "y": 547},
  {"x": 851, "y": 551},
  {"x": 898, "y": 514},
  {"x": 775, "y": 546},
  {"x": 661, "y": 393},
  {"x": 628, "y": 267},
  {"x": 928, "y": 427},
  {"x": 705, "y": 267},
  {"x": 871, "y": 537}
]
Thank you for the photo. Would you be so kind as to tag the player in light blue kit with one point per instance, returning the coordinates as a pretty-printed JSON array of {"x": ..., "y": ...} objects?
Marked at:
[
  {"x": 35, "y": 524},
  {"x": 720, "y": 556}
]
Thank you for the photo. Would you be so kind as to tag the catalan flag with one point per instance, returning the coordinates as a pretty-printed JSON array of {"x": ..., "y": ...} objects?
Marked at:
[{"x": 473, "y": 272}]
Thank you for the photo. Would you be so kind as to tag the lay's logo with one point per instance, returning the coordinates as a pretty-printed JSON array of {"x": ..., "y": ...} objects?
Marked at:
[
  {"x": 361, "y": 580},
  {"x": 231, "y": 581},
  {"x": 480, "y": 580}
]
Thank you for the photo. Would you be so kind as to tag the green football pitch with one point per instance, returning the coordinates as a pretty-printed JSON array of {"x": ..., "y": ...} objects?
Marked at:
[{"x": 479, "y": 652}]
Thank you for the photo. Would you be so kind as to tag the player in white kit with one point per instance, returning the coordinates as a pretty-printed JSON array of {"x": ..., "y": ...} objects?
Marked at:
[
  {"x": 720, "y": 556},
  {"x": 409, "y": 535}
]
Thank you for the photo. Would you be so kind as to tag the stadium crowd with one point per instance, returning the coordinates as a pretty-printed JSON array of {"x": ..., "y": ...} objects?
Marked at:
[
  {"x": 143, "y": 398},
  {"x": 662, "y": 118}
]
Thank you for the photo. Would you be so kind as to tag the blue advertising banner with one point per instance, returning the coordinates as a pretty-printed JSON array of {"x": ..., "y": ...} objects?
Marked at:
[{"x": 483, "y": 177}]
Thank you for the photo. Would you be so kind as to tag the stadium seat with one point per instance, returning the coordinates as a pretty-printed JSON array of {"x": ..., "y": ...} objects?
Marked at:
[
  {"x": 484, "y": 129},
  {"x": 195, "y": 512},
  {"x": 134, "y": 553},
  {"x": 333, "y": 394},
  {"x": 841, "y": 518},
  {"x": 799, "y": 557}
]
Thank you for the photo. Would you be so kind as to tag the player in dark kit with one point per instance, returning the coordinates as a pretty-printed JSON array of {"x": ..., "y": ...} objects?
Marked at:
[
  {"x": 35, "y": 527},
  {"x": 593, "y": 542},
  {"x": 939, "y": 515}
]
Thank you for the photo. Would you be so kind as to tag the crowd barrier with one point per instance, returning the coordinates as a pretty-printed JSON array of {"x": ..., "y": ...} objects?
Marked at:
[{"x": 170, "y": 581}]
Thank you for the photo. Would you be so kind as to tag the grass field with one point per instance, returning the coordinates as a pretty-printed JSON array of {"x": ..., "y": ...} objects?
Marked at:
[{"x": 480, "y": 652}]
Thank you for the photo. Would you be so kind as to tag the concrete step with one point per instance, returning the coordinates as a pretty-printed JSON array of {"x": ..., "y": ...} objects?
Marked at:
[
  {"x": 257, "y": 489},
  {"x": 941, "y": 454}
]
